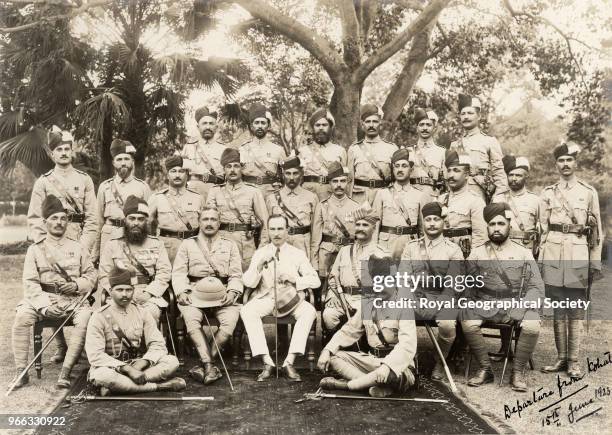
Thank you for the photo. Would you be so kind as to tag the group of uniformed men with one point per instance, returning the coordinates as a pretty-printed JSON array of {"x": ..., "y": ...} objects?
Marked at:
[{"x": 331, "y": 212}]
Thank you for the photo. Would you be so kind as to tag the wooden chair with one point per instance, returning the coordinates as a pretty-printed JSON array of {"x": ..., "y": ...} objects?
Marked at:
[
  {"x": 39, "y": 326},
  {"x": 289, "y": 321}
]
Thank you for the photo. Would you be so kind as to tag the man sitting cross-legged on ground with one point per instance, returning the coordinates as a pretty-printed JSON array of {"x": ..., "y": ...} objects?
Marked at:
[
  {"x": 391, "y": 334},
  {"x": 116, "y": 336}
]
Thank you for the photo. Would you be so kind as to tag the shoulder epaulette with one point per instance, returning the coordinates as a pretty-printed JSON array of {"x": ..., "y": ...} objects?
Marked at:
[
  {"x": 387, "y": 141},
  {"x": 250, "y": 184},
  {"x": 552, "y": 186},
  {"x": 164, "y": 190},
  {"x": 188, "y": 189},
  {"x": 138, "y": 179},
  {"x": 81, "y": 172},
  {"x": 587, "y": 185},
  {"x": 191, "y": 140},
  {"x": 102, "y": 308},
  {"x": 153, "y": 236},
  {"x": 108, "y": 180},
  {"x": 248, "y": 141},
  {"x": 119, "y": 237},
  {"x": 40, "y": 241},
  {"x": 357, "y": 143},
  {"x": 48, "y": 172}
]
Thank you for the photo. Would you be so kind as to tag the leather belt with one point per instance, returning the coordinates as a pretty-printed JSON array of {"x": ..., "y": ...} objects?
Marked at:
[
  {"x": 380, "y": 352},
  {"x": 568, "y": 228},
  {"x": 372, "y": 184},
  {"x": 457, "y": 232},
  {"x": 321, "y": 179},
  {"x": 193, "y": 279},
  {"x": 298, "y": 230},
  {"x": 77, "y": 218},
  {"x": 342, "y": 241},
  {"x": 179, "y": 234},
  {"x": 423, "y": 180},
  {"x": 50, "y": 288},
  {"x": 115, "y": 222},
  {"x": 351, "y": 290},
  {"x": 523, "y": 235},
  {"x": 141, "y": 279},
  {"x": 498, "y": 294},
  {"x": 266, "y": 179},
  {"x": 231, "y": 226},
  {"x": 208, "y": 178},
  {"x": 399, "y": 230}
]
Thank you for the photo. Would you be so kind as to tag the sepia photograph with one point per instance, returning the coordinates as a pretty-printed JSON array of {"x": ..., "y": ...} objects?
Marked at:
[{"x": 305, "y": 216}]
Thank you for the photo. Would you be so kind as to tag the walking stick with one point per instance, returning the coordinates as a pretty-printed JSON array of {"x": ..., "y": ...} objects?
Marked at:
[
  {"x": 276, "y": 313},
  {"x": 170, "y": 332},
  {"x": 40, "y": 352},
  {"x": 453, "y": 387},
  {"x": 218, "y": 351}
]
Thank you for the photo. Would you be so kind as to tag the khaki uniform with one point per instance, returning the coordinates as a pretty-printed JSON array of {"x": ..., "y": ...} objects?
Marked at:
[
  {"x": 400, "y": 347},
  {"x": 564, "y": 256},
  {"x": 249, "y": 202},
  {"x": 110, "y": 210},
  {"x": 172, "y": 210},
  {"x": 148, "y": 291},
  {"x": 315, "y": 160},
  {"x": 464, "y": 224},
  {"x": 347, "y": 274},
  {"x": 293, "y": 262},
  {"x": 524, "y": 225},
  {"x": 301, "y": 204},
  {"x": 191, "y": 265},
  {"x": 106, "y": 352},
  {"x": 204, "y": 163},
  {"x": 83, "y": 225},
  {"x": 428, "y": 161},
  {"x": 486, "y": 159},
  {"x": 360, "y": 166},
  {"x": 399, "y": 210},
  {"x": 260, "y": 159},
  {"x": 40, "y": 292},
  {"x": 327, "y": 235}
]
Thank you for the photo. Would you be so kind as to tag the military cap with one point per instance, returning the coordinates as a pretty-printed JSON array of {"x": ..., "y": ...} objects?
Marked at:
[
  {"x": 566, "y": 149},
  {"x": 336, "y": 170},
  {"x": 319, "y": 114},
  {"x": 119, "y": 277},
  {"x": 291, "y": 162},
  {"x": 229, "y": 155},
  {"x": 58, "y": 137},
  {"x": 135, "y": 205},
  {"x": 258, "y": 110},
  {"x": 52, "y": 205},
  {"x": 401, "y": 154},
  {"x": 495, "y": 209},
  {"x": 173, "y": 162},
  {"x": 452, "y": 158},
  {"x": 369, "y": 110},
  {"x": 468, "y": 101},
  {"x": 421, "y": 114},
  {"x": 120, "y": 146},
  {"x": 203, "y": 111},
  {"x": 208, "y": 292},
  {"x": 433, "y": 209},
  {"x": 511, "y": 163},
  {"x": 365, "y": 212}
]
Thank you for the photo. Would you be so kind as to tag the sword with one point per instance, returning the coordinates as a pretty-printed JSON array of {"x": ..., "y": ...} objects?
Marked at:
[
  {"x": 320, "y": 395},
  {"x": 80, "y": 399}
]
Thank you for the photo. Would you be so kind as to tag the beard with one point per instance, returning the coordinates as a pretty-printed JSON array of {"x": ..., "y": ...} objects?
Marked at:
[
  {"x": 124, "y": 171},
  {"x": 260, "y": 133},
  {"x": 136, "y": 234},
  {"x": 321, "y": 137},
  {"x": 499, "y": 238}
]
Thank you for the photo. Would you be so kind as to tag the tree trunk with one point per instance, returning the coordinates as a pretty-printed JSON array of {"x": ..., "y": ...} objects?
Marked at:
[
  {"x": 345, "y": 109},
  {"x": 106, "y": 161}
]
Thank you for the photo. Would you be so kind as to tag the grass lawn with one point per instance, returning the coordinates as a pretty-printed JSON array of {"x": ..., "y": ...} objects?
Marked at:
[{"x": 41, "y": 396}]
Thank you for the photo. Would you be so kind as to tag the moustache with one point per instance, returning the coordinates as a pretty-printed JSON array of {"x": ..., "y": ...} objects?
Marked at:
[
  {"x": 359, "y": 232},
  {"x": 208, "y": 227},
  {"x": 371, "y": 129},
  {"x": 177, "y": 179}
]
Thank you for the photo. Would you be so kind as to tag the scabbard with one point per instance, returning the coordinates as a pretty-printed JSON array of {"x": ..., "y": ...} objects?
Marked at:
[{"x": 151, "y": 398}]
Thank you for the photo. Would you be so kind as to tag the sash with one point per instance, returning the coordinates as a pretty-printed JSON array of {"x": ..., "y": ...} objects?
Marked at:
[
  {"x": 317, "y": 153},
  {"x": 398, "y": 204},
  {"x": 290, "y": 214},
  {"x": 378, "y": 329},
  {"x": 137, "y": 264},
  {"x": 132, "y": 350},
  {"x": 204, "y": 159},
  {"x": 59, "y": 186},
  {"x": 231, "y": 204},
  {"x": 425, "y": 255},
  {"x": 515, "y": 211},
  {"x": 373, "y": 163},
  {"x": 498, "y": 267},
  {"x": 54, "y": 264},
  {"x": 354, "y": 266},
  {"x": 422, "y": 160},
  {"x": 564, "y": 202},
  {"x": 336, "y": 221},
  {"x": 178, "y": 211},
  {"x": 116, "y": 194},
  {"x": 206, "y": 255},
  {"x": 258, "y": 163}
]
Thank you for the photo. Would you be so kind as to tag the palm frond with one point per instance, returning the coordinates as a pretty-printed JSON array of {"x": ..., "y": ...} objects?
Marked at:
[
  {"x": 12, "y": 124},
  {"x": 29, "y": 148},
  {"x": 95, "y": 110}
]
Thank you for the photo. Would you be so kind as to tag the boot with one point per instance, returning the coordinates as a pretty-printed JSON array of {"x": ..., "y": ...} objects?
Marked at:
[
  {"x": 482, "y": 376},
  {"x": 559, "y": 366},
  {"x": 174, "y": 384},
  {"x": 24, "y": 379},
  {"x": 62, "y": 347},
  {"x": 380, "y": 391},
  {"x": 211, "y": 373},
  {"x": 220, "y": 338},
  {"x": 265, "y": 373},
  {"x": 573, "y": 370},
  {"x": 524, "y": 349},
  {"x": 63, "y": 381},
  {"x": 438, "y": 373},
  {"x": 199, "y": 341},
  {"x": 474, "y": 338},
  {"x": 517, "y": 381},
  {"x": 330, "y": 383},
  {"x": 560, "y": 329},
  {"x": 291, "y": 373},
  {"x": 506, "y": 342}
]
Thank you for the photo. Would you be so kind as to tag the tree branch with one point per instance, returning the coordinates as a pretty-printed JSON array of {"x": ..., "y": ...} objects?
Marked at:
[
  {"x": 351, "y": 33},
  {"x": 368, "y": 10},
  {"x": 316, "y": 45},
  {"x": 429, "y": 14},
  {"x": 76, "y": 11},
  {"x": 415, "y": 5}
]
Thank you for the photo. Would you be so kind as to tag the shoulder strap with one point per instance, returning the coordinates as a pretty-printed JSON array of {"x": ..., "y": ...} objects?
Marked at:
[
  {"x": 317, "y": 153},
  {"x": 373, "y": 162},
  {"x": 336, "y": 221},
  {"x": 378, "y": 328},
  {"x": 207, "y": 257},
  {"x": 354, "y": 265},
  {"x": 64, "y": 192},
  {"x": 204, "y": 158},
  {"x": 116, "y": 194},
  {"x": 425, "y": 255},
  {"x": 137, "y": 264},
  {"x": 290, "y": 214},
  {"x": 231, "y": 204},
  {"x": 497, "y": 265},
  {"x": 564, "y": 202},
  {"x": 258, "y": 163},
  {"x": 178, "y": 211},
  {"x": 397, "y": 202},
  {"x": 514, "y": 210},
  {"x": 54, "y": 264}
]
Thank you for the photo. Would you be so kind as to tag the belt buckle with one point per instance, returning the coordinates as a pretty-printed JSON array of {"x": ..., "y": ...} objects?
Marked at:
[
  {"x": 323, "y": 179},
  {"x": 205, "y": 178},
  {"x": 181, "y": 234},
  {"x": 372, "y": 184},
  {"x": 231, "y": 226},
  {"x": 259, "y": 180},
  {"x": 565, "y": 228},
  {"x": 399, "y": 231}
]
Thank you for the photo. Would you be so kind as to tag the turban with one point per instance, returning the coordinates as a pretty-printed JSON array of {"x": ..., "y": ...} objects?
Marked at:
[
  {"x": 119, "y": 146},
  {"x": 336, "y": 170},
  {"x": 369, "y": 110},
  {"x": 365, "y": 212},
  {"x": 401, "y": 154},
  {"x": 452, "y": 158},
  {"x": 173, "y": 162},
  {"x": 119, "y": 277},
  {"x": 134, "y": 205},
  {"x": 421, "y": 114},
  {"x": 468, "y": 101},
  {"x": 494, "y": 209},
  {"x": 58, "y": 137},
  {"x": 229, "y": 155},
  {"x": 320, "y": 114},
  {"x": 291, "y": 162},
  {"x": 203, "y": 111},
  {"x": 511, "y": 163},
  {"x": 432, "y": 208},
  {"x": 52, "y": 205},
  {"x": 258, "y": 110},
  {"x": 566, "y": 149}
]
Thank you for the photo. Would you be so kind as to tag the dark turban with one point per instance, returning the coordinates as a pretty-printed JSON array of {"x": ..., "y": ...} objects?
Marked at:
[
  {"x": 566, "y": 149},
  {"x": 173, "y": 162},
  {"x": 432, "y": 208},
  {"x": 59, "y": 137},
  {"x": 421, "y": 114},
  {"x": 401, "y": 154},
  {"x": 452, "y": 158},
  {"x": 203, "y": 111},
  {"x": 494, "y": 209},
  {"x": 291, "y": 162},
  {"x": 135, "y": 205},
  {"x": 52, "y": 205},
  {"x": 120, "y": 146},
  {"x": 230, "y": 155},
  {"x": 467, "y": 101},
  {"x": 511, "y": 163},
  {"x": 320, "y": 114},
  {"x": 258, "y": 110},
  {"x": 369, "y": 110},
  {"x": 365, "y": 212},
  {"x": 119, "y": 277},
  {"x": 335, "y": 170}
]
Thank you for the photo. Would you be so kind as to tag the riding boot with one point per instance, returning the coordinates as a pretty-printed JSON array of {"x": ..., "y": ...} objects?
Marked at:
[
  {"x": 221, "y": 338},
  {"x": 560, "y": 330},
  {"x": 62, "y": 347},
  {"x": 524, "y": 349},
  {"x": 574, "y": 336},
  {"x": 474, "y": 338}
]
